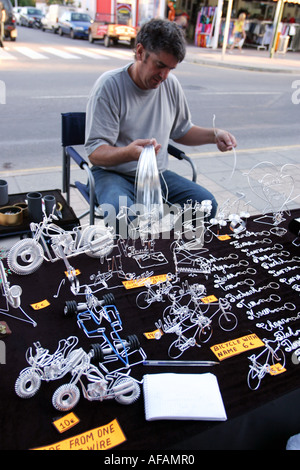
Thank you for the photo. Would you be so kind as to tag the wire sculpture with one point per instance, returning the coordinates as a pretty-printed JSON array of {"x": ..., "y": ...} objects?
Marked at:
[
  {"x": 12, "y": 296},
  {"x": 277, "y": 188}
]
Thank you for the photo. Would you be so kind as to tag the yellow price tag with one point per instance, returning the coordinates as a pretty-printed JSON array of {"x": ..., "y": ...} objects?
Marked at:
[
  {"x": 75, "y": 272},
  {"x": 223, "y": 238},
  {"x": 102, "y": 438},
  {"x": 209, "y": 299},
  {"x": 236, "y": 346},
  {"x": 156, "y": 334},
  {"x": 65, "y": 423},
  {"x": 276, "y": 369},
  {"x": 134, "y": 283},
  {"x": 40, "y": 305}
]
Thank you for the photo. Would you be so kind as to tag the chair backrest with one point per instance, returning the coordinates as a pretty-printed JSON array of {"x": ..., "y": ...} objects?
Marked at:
[{"x": 73, "y": 129}]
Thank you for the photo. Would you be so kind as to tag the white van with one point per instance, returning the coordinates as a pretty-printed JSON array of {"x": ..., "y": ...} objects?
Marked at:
[{"x": 50, "y": 20}]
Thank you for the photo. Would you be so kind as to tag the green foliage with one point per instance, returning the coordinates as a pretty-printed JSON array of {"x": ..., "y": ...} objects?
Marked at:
[
  {"x": 26, "y": 3},
  {"x": 32, "y": 3}
]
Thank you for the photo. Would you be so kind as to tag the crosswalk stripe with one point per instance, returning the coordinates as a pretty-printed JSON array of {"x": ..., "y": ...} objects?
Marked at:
[
  {"x": 32, "y": 54},
  {"x": 6, "y": 55},
  {"x": 60, "y": 53},
  {"x": 124, "y": 55},
  {"x": 66, "y": 53},
  {"x": 86, "y": 52}
]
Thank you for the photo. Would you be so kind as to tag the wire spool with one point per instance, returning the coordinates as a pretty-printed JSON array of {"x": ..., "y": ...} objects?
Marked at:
[
  {"x": 11, "y": 215},
  {"x": 149, "y": 202}
]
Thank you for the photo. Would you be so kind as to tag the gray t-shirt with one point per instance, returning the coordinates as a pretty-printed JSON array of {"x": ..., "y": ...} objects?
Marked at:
[{"x": 119, "y": 112}]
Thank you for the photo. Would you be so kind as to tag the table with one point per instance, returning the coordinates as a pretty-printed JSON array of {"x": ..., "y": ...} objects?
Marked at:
[
  {"x": 268, "y": 307},
  {"x": 67, "y": 221}
]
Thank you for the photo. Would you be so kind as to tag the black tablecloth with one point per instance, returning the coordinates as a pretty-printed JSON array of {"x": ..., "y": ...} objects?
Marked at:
[{"x": 26, "y": 424}]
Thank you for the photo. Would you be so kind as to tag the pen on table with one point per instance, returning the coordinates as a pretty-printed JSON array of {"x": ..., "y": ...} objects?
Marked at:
[{"x": 179, "y": 363}]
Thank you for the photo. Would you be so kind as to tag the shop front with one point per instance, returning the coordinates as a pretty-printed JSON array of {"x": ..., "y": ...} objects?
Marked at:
[{"x": 207, "y": 20}]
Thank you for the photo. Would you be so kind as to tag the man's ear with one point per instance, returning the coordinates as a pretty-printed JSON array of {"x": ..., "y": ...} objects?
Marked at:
[{"x": 139, "y": 50}]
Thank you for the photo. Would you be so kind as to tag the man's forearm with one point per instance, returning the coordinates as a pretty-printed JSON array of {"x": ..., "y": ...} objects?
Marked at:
[
  {"x": 198, "y": 136},
  {"x": 202, "y": 136},
  {"x": 106, "y": 155}
]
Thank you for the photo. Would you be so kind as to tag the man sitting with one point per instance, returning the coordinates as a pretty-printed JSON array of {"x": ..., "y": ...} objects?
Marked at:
[{"x": 138, "y": 105}]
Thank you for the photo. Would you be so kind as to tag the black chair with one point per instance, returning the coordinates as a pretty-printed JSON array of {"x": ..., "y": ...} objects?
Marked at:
[{"x": 73, "y": 134}]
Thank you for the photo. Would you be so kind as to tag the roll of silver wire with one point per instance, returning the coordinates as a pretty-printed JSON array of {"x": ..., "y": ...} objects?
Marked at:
[{"x": 149, "y": 201}]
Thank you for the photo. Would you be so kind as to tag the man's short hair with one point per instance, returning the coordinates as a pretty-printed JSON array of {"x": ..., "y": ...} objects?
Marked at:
[{"x": 162, "y": 35}]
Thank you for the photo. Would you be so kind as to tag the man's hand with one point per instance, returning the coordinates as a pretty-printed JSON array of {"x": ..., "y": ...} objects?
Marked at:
[
  {"x": 137, "y": 146},
  {"x": 224, "y": 140}
]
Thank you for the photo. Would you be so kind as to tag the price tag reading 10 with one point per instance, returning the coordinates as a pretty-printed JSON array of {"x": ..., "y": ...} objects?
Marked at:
[{"x": 66, "y": 422}]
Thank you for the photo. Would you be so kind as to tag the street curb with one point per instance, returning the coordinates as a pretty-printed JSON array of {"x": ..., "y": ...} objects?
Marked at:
[{"x": 194, "y": 58}]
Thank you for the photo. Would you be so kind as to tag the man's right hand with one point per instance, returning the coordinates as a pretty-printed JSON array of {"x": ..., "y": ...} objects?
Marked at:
[{"x": 137, "y": 146}]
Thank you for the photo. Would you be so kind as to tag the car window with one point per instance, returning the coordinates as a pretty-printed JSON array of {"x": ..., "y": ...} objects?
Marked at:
[
  {"x": 80, "y": 17},
  {"x": 34, "y": 11}
]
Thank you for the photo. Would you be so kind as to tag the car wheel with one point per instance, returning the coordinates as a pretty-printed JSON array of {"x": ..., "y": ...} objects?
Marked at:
[{"x": 106, "y": 41}]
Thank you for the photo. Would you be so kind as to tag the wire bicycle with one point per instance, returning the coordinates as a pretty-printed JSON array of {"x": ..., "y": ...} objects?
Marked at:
[{"x": 264, "y": 363}]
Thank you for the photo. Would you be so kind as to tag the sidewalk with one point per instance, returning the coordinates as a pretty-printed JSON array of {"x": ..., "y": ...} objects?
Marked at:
[
  {"x": 219, "y": 173},
  {"x": 249, "y": 59},
  {"x": 216, "y": 169}
]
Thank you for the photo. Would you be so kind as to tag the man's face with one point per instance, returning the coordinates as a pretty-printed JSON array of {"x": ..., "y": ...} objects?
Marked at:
[{"x": 152, "y": 68}]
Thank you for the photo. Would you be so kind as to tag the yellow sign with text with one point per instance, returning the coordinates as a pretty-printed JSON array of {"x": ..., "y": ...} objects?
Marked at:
[
  {"x": 156, "y": 334},
  {"x": 276, "y": 369},
  {"x": 134, "y": 283},
  {"x": 236, "y": 346},
  {"x": 209, "y": 299},
  {"x": 102, "y": 438},
  {"x": 74, "y": 272},
  {"x": 66, "y": 422},
  {"x": 39, "y": 305},
  {"x": 223, "y": 238}
]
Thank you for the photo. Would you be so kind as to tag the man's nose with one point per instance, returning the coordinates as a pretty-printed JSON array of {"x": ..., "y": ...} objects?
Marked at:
[{"x": 164, "y": 73}]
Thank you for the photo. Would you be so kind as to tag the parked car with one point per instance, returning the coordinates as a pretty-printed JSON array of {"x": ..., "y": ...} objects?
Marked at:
[
  {"x": 10, "y": 30},
  {"x": 75, "y": 24},
  {"x": 110, "y": 32},
  {"x": 30, "y": 16},
  {"x": 50, "y": 20}
]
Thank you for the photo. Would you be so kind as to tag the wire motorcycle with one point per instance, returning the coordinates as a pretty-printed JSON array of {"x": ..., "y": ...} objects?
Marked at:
[{"x": 51, "y": 243}]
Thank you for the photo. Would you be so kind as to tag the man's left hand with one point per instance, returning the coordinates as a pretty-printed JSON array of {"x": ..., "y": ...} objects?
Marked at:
[{"x": 224, "y": 140}]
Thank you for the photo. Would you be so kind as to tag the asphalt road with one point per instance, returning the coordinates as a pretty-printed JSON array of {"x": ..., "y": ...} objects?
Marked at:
[{"x": 41, "y": 84}]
